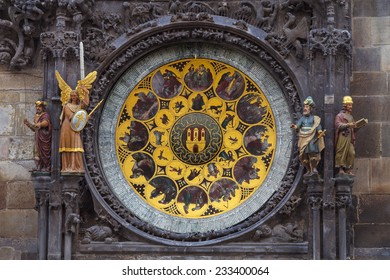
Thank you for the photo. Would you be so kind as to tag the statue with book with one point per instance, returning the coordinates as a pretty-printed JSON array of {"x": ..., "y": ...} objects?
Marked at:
[{"x": 345, "y": 128}]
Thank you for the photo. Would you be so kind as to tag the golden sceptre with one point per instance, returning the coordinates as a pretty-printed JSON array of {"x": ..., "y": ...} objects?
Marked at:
[{"x": 93, "y": 110}]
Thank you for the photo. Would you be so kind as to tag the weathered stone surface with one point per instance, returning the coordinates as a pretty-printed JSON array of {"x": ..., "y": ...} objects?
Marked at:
[
  {"x": 7, "y": 119},
  {"x": 20, "y": 148},
  {"x": 4, "y": 148},
  {"x": 30, "y": 97},
  {"x": 385, "y": 137},
  {"x": 3, "y": 195},
  {"x": 21, "y": 81},
  {"x": 378, "y": 34},
  {"x": 371, "y": 254},
  {"x": 371, "y": 8},
  {"x": 18, "y": 223},
  {"x": 12, "y": 171},
  {"x": 385, "y": 58},
  {"x": 375, "y": 109},
  {"x": 9, "y": 253},
  {"x": 361, "y": 32},
  {"x": 21, "y": 195},
  {"x": 22, "y": 112},
  {"x": 380, "y": 180},
  {"x": 27, "y": 246},
  {"x": 362, "y": 179},
  {"x": 374, "y": 209},
  {"x": 367, "y": 144},
  {"x": 372, "y": 235},
  {"x": 369, "y": 83},
  {"x": 366, "y": 59},
  {"x": 9, "y": 96}
]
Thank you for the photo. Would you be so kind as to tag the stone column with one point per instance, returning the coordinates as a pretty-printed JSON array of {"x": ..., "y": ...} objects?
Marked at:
[
  {"x": 315, "y": 185},
  {"x": 331, "y": 49},
  {"x": 55, "y": 222},
  {"x": 343, "y": 185},
  {"x": 41, "y": 183},
  {"x": 60, "y": 51},
  {"x": 70, "y": 195}
]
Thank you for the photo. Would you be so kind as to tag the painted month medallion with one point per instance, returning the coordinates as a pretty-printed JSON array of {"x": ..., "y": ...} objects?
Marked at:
[{"x": 195, "y": 138}]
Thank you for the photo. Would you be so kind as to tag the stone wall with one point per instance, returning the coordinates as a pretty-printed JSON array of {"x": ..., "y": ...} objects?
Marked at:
[
  {"x": 371, "y": 93},
  {"x": 18, "y": 219}
]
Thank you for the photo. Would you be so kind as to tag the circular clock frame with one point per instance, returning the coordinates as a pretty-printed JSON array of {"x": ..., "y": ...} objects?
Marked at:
[{"x": 127, "y": 210}]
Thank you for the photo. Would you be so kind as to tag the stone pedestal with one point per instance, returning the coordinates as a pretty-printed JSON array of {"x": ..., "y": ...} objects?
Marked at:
[
  {"x": 70, "y": 197},
  {"x": 343, "y": 186},
  {"x": 314, "y": 185},
  {"x": 41, "y": 183}
]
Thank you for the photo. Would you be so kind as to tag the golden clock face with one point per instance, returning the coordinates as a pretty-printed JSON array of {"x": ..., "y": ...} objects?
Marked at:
[{"x": 195, "y": 138}]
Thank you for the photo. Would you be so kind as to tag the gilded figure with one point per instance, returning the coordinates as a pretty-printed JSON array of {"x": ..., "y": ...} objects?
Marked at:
[{"x": 73, "y": 101}]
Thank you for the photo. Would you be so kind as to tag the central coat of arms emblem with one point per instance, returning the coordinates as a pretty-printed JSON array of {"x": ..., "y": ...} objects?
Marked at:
[{"x": 196, "y": 138}]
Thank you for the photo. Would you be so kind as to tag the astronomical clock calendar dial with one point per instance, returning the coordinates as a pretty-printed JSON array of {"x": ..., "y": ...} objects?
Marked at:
[
  {"x": 194, "y": 147},
  {"x": 195, "y": 138}
]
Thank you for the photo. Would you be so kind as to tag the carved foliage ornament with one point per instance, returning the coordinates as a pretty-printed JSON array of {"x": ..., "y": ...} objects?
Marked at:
[
  {"x": 20, "y": 23},
  {"x": 330, "y": 41}
]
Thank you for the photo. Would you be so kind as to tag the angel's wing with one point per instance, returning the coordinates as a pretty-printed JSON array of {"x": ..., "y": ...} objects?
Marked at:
[
  {"x": 87, "y": 83},
  {"x": 65, "y": 88}
]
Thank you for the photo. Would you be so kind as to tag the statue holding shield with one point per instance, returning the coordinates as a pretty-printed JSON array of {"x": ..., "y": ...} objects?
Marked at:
[{"x": 73, "y": 119}]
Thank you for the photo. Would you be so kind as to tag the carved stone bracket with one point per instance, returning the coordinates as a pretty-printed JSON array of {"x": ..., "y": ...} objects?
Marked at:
[
  {"x": 70, "y": 198},
  {"x": 41, "y": 186},
  {"x": 330, "y": 41},
  {"x": 42, "y": 183},
  {"x": 343, "y": 184},
  {"x": 314, "y": 191},
  {"x": 59, "y": 44}
]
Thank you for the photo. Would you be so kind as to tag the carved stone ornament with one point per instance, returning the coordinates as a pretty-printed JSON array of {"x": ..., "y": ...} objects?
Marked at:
[
  {"x": 330, "y": 41},
  {"x": 279, "y": 233},
  {"x": 24, "y": 22},
  {"x": 98, "y": 233},
  {"x": 127, "y": 207},
  {"x": 291, "y": 205},
  {"x": 20, "y": 24}
]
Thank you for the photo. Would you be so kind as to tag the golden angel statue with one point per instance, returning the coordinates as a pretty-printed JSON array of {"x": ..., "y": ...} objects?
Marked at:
[{"x": 72, "y": 120}]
